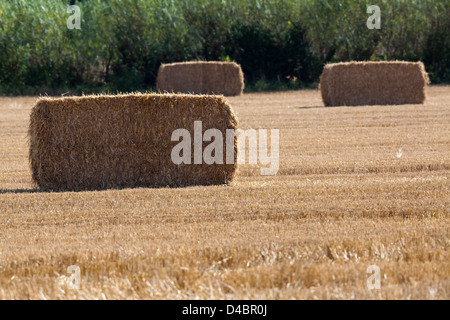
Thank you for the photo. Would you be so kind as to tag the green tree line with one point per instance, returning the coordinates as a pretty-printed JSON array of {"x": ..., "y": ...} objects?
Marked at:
[{"x": 286, "y": 43}]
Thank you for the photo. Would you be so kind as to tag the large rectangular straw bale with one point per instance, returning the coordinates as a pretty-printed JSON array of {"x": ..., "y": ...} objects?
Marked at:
[
  {"x": 98, "y": 142},
  {"x": 373, "y": 83},
  {"x": 201, "y": 77}
]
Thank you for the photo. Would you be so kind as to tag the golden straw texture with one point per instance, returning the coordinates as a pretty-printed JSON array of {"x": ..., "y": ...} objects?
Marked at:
[
  {"x": 373, "y": 83},
  {"x": 201, "y": 77},
  {"x": 99, "y": 142}
]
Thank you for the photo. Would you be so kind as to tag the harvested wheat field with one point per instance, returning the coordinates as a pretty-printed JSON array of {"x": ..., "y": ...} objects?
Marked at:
[{"x": 357, "y": 186}]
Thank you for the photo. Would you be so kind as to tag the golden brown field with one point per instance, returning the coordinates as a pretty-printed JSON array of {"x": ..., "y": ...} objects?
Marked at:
[{"x": 344, "y": 199}]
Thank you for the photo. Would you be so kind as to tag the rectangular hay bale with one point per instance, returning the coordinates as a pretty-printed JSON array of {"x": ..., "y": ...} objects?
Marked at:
[
  {"x": 100, "y": 142},
  {"x": 373, "y": 83},
  {"x": 201, "y": 77}
]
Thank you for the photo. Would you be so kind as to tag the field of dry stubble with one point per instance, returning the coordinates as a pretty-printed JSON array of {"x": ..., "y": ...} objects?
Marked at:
[{"x": 357, "y": 186}]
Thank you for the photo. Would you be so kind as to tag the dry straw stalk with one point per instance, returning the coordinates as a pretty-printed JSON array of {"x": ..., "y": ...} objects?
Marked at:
[
  {"x": 201, "y": 77},
  {"x": 98, "y": 142},
  {"x": 373, "y": 83}
]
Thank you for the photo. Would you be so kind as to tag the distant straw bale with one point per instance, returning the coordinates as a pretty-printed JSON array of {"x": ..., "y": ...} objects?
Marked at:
[
  {"x": 100, "y": 142},
  {"x": 201, "y": 77},
  {"x": 373, "y": 83}
]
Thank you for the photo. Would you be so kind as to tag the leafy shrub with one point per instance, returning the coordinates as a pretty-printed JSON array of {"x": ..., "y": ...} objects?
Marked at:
[{"x": 123, "y": 42}]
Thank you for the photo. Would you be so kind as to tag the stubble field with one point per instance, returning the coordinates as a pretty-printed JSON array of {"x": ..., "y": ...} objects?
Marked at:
[{"x": 357, "y": 186}]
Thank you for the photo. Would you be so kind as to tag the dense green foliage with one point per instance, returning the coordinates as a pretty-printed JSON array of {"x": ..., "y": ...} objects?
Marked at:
[{"x": 122, "y": 42}]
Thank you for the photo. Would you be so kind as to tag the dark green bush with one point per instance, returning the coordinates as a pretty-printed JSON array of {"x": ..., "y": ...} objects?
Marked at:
[
  {"x": 279, "y": 43},
  {"x": 436, "y": 52}
]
